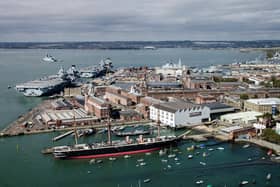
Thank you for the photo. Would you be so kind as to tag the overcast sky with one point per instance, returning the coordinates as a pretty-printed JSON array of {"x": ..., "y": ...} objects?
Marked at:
[{"x": 103, "y": 20}]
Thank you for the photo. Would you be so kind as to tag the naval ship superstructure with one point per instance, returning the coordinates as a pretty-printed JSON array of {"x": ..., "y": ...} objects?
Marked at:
[{"x": 105, "y": 66}]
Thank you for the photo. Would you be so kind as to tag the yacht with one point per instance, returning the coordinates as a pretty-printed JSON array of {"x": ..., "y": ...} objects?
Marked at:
[{"x": 49, "y": 58}]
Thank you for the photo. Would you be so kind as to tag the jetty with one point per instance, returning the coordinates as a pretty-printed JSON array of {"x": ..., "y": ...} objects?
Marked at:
[
  {"x": 63, "y": 135},
  {"x": 47, "y": 150},
  {"x": 199, "y": 137},
  {"x": 182, "y": 136}
]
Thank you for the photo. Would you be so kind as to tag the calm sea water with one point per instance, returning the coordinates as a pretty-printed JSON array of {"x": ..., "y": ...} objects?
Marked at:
[{"x": 22, "y": 164}]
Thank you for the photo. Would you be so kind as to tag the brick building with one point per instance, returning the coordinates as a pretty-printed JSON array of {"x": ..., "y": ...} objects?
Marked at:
[
  {"x": 205, "y": 98},
  {"x": 97, "y": 106},
  {"x": 130, "y": 115},
  {"x": 118, "y": 99},
  {"x": 198, "y": 82}
]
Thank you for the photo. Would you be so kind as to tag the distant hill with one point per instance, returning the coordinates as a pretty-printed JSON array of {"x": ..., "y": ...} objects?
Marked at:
[{"x": 141, "y": 44}]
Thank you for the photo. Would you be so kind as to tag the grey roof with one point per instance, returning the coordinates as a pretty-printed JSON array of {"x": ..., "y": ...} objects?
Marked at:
[
  {"x": 175, "y": 106},
  {"x": 61, "y": 103},
  {"x": 129, "y": 113},
  {"x": 217, "y": 105},
  {"x": 98, "y": 100},
  {"x": 230, "y": 83},
  {"x": 164, "y": 84},
  {"x": 124, "y": 85}
]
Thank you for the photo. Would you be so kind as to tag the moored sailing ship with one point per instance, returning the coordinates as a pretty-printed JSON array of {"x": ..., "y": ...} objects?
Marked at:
[{"x": 114, "y": 148}]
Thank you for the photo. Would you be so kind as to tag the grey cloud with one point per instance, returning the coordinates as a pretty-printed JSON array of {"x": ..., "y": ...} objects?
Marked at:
[{"x": 53, "y": 20}]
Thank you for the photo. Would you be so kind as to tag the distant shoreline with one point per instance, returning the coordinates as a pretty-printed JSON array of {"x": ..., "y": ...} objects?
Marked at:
[{"x": 140, "y": 45}]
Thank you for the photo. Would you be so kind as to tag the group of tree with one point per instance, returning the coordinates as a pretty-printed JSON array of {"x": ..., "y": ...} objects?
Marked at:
[
  {"x": 244, "y": 96},
  {"x": 271, "y": 136},
  {"x": 270, "y": 53},
  {"x": 221, "y": 79},
  {"x": 273, "y": 83}
]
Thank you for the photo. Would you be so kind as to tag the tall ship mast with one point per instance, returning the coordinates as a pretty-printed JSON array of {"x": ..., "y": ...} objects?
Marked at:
[
  {"x": 158, "y": 124},
  {"x": 75, "y": 128},
  {"x": 109, "y": 130}
]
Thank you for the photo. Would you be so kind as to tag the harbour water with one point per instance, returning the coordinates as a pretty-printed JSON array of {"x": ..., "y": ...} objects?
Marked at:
[{"x": 22, "y": 163}]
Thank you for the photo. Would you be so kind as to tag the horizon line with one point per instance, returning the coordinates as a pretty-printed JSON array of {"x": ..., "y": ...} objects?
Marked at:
[{"x": 104, "y": 41}]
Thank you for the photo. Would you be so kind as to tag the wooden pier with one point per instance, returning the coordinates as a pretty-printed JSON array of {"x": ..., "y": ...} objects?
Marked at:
[
  {"x": 198, "y": 137},
  {"x": 63, "y": 135}
]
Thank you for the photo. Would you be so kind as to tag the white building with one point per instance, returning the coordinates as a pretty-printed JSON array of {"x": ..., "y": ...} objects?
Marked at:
[
  {"x": 179, "y": 113},
  {"x": 242, "y": 117},
  {"x": 264, "y": 105},
  {"x": 171, "y": 69},
  {"x": 257, "y": 81},
  {"x": 277, "y": 128}
]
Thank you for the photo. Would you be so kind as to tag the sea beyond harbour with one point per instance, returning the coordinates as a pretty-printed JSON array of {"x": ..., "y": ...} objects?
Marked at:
[{"x": 22, "y": 163}]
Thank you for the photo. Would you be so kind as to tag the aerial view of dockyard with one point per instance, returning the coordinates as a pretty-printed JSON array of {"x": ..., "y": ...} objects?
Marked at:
[{"x": 109, "y": 99}]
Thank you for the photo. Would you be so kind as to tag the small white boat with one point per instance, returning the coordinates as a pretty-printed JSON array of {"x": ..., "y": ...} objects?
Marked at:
[
  {"x": 190, "y": 156},
  {"x": 176, "y": 159},
  {"x": 142, "y": 163},
  {"x": 99, "y": 161},
  {"x": 204, "y": 154},
  {"x": 178, "y": 163},
  {"x": 112, "y": 158},
  {"x": 244, "y": 182},
  {"x": 171, "y": 156},
  {"x": 121, "y": 127},
  {"x": 140, "y": 160},
  {"x": 169, "y": 166},
  {"x": 164, "y": 160},
  {"x": 199, "y": 182},
  {"x": 277, "y": 158},
  {"x": 191, "y": 148},
  {"x": 49, "y": 58},
  {"x": 92, "y": 161},
  {"x": 162, "y": 152},
  {"x": 268, "y": 176},
  {"x": 220, "y": 148},
  {"x": 246, "y": 146},
  {"x": 202, "y": 163},
  {"x": 210, "y": 149},
  {"x": 146, "y": 180},
  {"x": 148, "y": 154},
  {"x": 127, "y": 156}
]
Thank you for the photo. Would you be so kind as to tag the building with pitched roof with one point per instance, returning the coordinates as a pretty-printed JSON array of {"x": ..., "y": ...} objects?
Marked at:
[
  {"x": 179, "y": 113},
  {"x": 263, "y": 105}
]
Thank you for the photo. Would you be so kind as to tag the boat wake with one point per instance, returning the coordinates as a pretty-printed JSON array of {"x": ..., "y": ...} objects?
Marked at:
[{"x": 228, "y": 165}]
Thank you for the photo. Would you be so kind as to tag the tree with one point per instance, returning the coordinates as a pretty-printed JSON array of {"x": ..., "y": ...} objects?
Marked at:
[
  {"x": 271, "y": 136},
  {"x": 270, "y": 53},
  {"x": 244, "y": 96}
]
